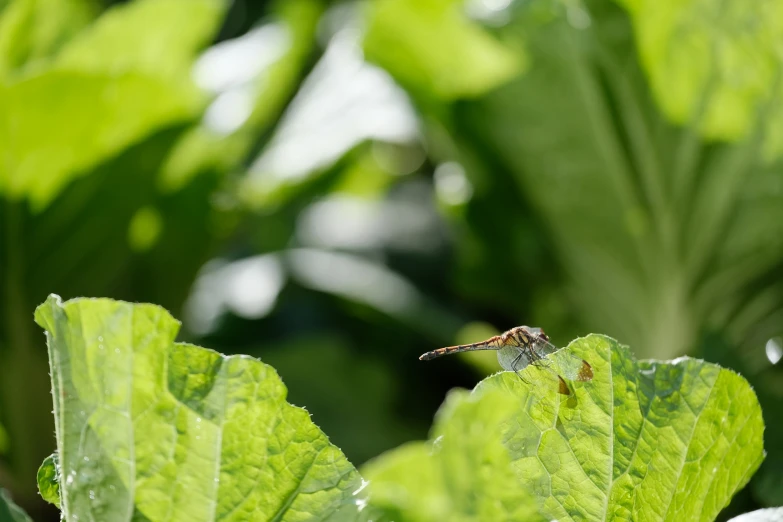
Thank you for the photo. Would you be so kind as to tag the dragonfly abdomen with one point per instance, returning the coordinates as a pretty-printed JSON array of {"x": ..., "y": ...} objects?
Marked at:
[{"x": 485, "y": 345}]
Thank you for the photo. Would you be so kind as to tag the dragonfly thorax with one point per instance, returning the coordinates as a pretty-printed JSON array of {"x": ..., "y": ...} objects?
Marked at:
[{"x": 523, "y": 336}]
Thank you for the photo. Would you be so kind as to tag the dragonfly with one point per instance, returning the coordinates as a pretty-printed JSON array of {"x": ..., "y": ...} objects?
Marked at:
[{"x": 521, "y": 346}]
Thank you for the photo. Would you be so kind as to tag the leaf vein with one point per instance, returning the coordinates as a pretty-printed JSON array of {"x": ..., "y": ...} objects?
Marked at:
[
  {"x": 611, "y": 435},
  {"x": 685, "y": 454}
]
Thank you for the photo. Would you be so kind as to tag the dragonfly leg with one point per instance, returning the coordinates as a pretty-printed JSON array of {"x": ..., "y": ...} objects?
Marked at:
[
  {"x": 514, "y": 367},
  {"x": 539, "y": 361}
]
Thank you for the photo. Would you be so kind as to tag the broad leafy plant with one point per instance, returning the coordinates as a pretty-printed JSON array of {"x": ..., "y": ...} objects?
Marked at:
[{"x": 148, "y": 428}]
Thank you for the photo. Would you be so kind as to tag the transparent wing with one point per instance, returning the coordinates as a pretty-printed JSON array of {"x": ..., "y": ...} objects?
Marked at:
[
  {"x": 516, "y": 358},
  {"x": 513, "y": 358},
  {"x": 569, "y": 365}
]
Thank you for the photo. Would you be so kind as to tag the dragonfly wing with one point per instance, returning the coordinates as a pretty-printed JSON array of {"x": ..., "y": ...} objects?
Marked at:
[
  {"x": 513, "y": 358},
  {"x": 569, "y": 365}
]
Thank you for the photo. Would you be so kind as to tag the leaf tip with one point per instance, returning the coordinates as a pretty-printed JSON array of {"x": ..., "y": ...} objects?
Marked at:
[{"x": 43, "y": 313}]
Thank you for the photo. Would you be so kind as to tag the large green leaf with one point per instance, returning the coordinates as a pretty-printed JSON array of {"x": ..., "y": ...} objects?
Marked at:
[
  {"x": 59, "y": 124},
  {"x": 141, "y": 36},
  {"x": 644, "y": 440},
  {"x": 712, "y": 63},
  {"x": 432, "y": 45},
  {"x": 32, "y": 31},
  {"x": 157, "y": 430},
  {"x": 122, "y": 78},
  {"x": 463, "y": 474}
]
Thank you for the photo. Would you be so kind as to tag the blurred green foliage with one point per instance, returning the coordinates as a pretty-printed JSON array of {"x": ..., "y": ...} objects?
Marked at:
[
  {"x": 9, "y": 511},
  {"x": 580, "y": 166}
]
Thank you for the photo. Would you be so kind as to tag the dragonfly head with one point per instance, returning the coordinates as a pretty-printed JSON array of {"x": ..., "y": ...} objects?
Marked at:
[{"x": 535, "y": 333}]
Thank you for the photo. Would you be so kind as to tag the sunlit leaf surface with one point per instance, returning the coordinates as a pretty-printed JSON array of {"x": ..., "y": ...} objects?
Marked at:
[
  {"x": 644, "y": 440},
  {"x": 464, "y": 474},
  {"x": 156, "y": 430}
]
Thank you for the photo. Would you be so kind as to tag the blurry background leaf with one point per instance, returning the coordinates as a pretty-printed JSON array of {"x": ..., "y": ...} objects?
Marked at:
[
  {"x": 137, "y": 36},
  {"x": 86, "y": 118},
  {"x": 3, "y": 440},
  {"x": 129, "y": 90},
  {"x": 713, "y": 64},
  {"x": 32, "y": 31},
  {"x": 253, "y": 77},
  {"x": 10, "y": 512},
  {"x": 432, "y": 46}
]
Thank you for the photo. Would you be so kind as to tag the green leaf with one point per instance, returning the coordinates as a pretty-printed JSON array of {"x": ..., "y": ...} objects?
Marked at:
[
  {"x": 10, "y": 512},
  {"x": 121, "y": 79},
  {"x": 761, "y": 515},
  {"x": 431, "y": 45},
  {"x": 644, "y": 440},
  {"x": 32, "y": 31},
  {"x": 146, "y": 35},
  {"x": 463, "y": 474},
  {"x": 714, "y": 63},
  {"x": 49, "y": 480},
  {"x": 55, "y": 125},
  {"x": 150, "y": 428}
]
